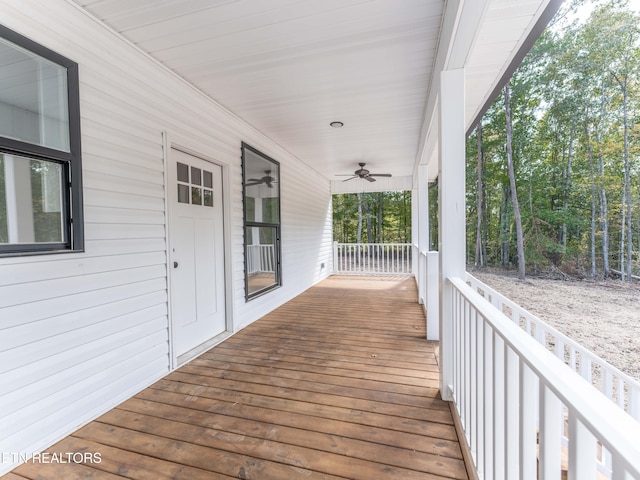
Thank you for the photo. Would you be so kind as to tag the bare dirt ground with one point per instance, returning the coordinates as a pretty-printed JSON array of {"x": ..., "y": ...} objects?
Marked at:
[{"x": 603, "y": 316}]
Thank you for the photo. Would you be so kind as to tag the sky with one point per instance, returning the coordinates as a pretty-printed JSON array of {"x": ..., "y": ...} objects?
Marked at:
[{"x": 585, "y": 10}]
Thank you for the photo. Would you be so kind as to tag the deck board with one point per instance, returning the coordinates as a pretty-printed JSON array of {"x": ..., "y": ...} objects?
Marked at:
[{"x": 337, "y": 383}]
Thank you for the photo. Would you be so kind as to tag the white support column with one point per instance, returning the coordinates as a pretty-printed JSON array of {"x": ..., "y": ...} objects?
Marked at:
[
  {"x": 427, "y": 273},
  {"x": 415, "y": 240},
  {"x": 451, "y": 210},
  {"x": 422, "y": 229},
  {"x": 433, "y": 296}
]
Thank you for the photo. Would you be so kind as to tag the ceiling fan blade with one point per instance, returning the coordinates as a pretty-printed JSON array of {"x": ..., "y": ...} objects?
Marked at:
[
  {"x": 344, "y": 175},
  {"x": 349, "y": 179},
  {"x": 379, "y": 174},
  {"x": 369, "y": 179},
  {"x": 252, "y": 183}
]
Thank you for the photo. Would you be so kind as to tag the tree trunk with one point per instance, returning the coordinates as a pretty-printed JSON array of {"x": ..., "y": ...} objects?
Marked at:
[
  {"x": 627, "y": 191},
  {"x": 505, "y": 237},
  {"x": 512, "y": 183},
  {"x": 380, "y": 217},
  {"x": 621, "y": 256},
  {"x": 405, "y": 217},
  {"x": 593, "y": 199},
  {"x": 567, "y": 184},
  {"x": 359, "y": 233},
  {"x": 367, "y": 209},
  {"x": 434, "y": 220},
  {"x": 626, "y": 244},
  {"x": 479, "y": 259},
  {"x": 485, "y": 225},
  {"x": 602, "y": 193}
]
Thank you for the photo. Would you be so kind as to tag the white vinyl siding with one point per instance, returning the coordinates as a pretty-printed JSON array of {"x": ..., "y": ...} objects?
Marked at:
[{"x": 81, "y": 332}]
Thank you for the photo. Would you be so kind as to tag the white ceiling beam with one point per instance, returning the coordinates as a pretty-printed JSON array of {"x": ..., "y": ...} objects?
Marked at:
[
  {"x": 461, "y": 23},
  {"x": 543, "y": 15}
]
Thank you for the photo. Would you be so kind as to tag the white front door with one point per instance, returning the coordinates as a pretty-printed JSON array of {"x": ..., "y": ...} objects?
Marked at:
[{"x": 197, "y": 251}]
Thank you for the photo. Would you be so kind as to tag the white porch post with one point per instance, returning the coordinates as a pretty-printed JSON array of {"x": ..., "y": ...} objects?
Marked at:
[
  {"x": 422, "y": 230},
  {"x": 428, "y": 285},
  {"x": 416, "y": 261},
  {"x": 451, "y": 211}
]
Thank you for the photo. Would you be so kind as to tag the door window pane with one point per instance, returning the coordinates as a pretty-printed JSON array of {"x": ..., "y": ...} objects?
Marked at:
[
  {"x": 183, "y": 193},
  {"x": 183, "y": 172},
  {"x": 33, "y": 98},
  {"x": 207, "y": 179},
  {"x": 196, "y": 196},
  {"x": 192, "y": 191},
  {"x": 207, "y": 198},
  {"x": 196, "y": 176}
]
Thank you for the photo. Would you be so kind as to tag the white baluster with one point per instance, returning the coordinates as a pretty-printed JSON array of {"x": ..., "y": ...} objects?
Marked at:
[
  {"x": 551, "y": 427},
  {"x": 499, "y": 409},
  {"x": 582, "y": 451},
  {"x": 528, "y": 403},
  {"x": 620, "y": 470},
  {"x": 512, "y": 424}
]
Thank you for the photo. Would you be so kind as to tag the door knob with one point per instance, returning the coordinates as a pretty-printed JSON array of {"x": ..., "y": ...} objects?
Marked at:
[{"x": 175, "y": 264}]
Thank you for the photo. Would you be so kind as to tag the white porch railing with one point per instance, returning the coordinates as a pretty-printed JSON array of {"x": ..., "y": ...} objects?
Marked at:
[
  {"x": 260, "y": 259},
  {"x": 616, "y": 385},
  {"x": 372, "y": 258},
  {"x": 514, "y": 398}
]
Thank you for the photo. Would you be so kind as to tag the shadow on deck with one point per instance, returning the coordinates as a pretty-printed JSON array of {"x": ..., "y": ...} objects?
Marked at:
[{"x": 337, "y": 383}]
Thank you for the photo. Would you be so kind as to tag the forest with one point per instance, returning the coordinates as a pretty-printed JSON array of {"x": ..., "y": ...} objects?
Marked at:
[
  {"x": 379, "y": 217},
  {"x": 553, "y": 168}
]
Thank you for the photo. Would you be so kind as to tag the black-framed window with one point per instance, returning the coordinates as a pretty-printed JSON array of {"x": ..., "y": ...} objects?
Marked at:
[
  {"x": 261, "y": 194},
  {"x": 40, "y": 161}
]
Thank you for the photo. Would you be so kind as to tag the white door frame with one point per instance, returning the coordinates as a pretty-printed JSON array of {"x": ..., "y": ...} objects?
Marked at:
[{"x": 169, "y": 142}]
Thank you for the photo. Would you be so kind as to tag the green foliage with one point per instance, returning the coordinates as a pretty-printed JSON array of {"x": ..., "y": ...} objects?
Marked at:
[
  {"x": 386, "y": 217},
  {"x": 568, "y": 144}
]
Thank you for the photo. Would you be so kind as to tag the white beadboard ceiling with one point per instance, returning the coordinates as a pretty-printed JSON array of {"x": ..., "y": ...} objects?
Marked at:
[{"x": 290, "y": 67}]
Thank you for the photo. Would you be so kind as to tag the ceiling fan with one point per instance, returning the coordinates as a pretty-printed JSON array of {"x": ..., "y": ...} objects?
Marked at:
[
  {"x": 268, "y": 180},
  {"x": 364, "y": 174}
]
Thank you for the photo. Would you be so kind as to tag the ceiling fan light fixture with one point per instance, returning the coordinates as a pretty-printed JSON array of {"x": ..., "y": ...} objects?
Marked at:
[
  {"x": 363, "y": 174},
  {"x": 336, "y": 124}
]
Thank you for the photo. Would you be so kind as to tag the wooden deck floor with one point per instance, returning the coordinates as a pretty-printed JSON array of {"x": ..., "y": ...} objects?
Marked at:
[{"x": 337, "y": 383}]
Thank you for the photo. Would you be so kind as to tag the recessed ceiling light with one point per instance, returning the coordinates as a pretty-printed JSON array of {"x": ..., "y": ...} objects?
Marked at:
[{"x": 336, "y": 124}]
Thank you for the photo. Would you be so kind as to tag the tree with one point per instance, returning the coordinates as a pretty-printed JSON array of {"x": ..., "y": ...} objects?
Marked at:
[
  {"x": 512, "y": 185},
  {"x": 570, "y": 113},
  {"x": 372, "y": 217},
  {"x": 480, "y": 253},
  {"x": 628, "y": 33},
  {"x": 593, "y": 200},
  {"x": 359, "y": 234},
  {"x": 614, "y": 30}
]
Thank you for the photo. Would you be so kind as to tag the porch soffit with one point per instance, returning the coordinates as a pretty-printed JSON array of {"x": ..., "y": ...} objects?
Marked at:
[
  {"x": 290, "y": 67},
  {"x": 503, "y": 35}
]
